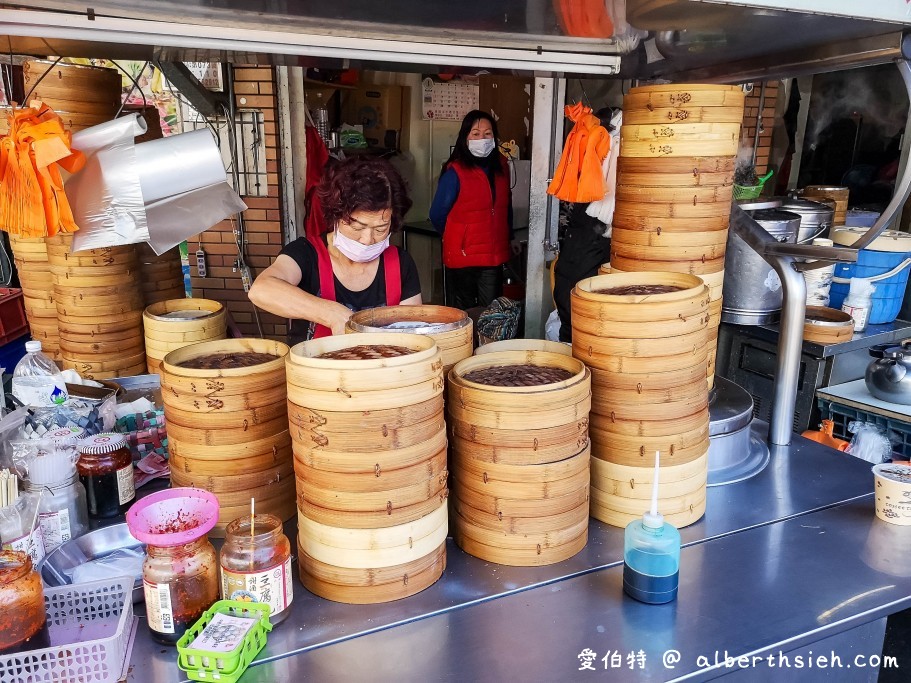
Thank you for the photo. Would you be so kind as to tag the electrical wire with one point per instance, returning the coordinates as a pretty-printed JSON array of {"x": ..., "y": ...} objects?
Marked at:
[{"x": 136, "y": 86}]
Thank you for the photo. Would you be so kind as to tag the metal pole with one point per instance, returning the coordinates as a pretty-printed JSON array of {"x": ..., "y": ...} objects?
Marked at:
[
  {"x": 298, "y": 138},
  {"x": 539, "y": 214},
  {"x": 790, "y": 345},
  {"x": 286, "y": 161}
]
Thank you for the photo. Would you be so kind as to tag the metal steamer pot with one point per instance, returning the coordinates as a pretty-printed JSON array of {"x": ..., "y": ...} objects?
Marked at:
[
  {"x": 815, "y": 218},
  {"x": 752, "y": 289},
  {"x": 888, "y": 377}
]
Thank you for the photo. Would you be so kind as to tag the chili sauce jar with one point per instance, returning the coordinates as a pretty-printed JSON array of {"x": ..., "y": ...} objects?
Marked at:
[
  {"x": 105, "y": 469},
  {"x": 23, "y": 619},
  {"x": 256, "y": 564}
]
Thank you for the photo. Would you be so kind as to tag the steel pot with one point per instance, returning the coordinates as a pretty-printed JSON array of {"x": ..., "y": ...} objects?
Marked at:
[
  {"x": 815, "y": 218},
  {"x": 888, "y": 378}
]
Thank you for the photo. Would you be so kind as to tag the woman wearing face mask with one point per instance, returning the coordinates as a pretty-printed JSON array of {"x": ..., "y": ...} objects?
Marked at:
[
  {"x": 472, "y": 209},
  {"x": 319, "y": 283}
]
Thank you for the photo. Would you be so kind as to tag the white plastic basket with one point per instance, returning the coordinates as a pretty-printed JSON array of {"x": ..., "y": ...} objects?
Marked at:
[{"x": 95, "y": 619}]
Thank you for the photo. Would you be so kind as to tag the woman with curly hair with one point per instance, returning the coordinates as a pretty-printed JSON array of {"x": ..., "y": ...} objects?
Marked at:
[{"x": 318, "y": 283}]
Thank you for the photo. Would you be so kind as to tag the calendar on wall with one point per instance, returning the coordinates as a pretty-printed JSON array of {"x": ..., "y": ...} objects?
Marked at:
[{"x": 447, "y": 100}]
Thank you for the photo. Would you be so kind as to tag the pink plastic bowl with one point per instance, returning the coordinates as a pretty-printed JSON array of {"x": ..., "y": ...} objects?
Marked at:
[{"x": 173, "y": 517}]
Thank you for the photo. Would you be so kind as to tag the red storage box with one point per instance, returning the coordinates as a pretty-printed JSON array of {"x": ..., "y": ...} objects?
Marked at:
[{"x": 13, "y": 323}]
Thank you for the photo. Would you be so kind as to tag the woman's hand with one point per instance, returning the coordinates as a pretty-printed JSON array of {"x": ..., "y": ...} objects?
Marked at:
[{"x": 335, "y": 316}]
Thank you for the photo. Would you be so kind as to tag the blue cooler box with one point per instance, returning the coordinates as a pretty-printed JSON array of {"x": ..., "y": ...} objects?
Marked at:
[{"x": 885, "y": 253}]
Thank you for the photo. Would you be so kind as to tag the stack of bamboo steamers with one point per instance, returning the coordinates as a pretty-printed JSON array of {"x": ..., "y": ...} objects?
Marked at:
[
  {"x": 678, "y": 146},
  {"x": 99, "y": 305},
  {"x": 37, "y": 292},
  {"x": 369, "y": 443}
]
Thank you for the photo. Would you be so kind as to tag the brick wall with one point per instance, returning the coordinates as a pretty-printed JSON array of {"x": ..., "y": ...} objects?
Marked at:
[
  {"x": 254, "y": 89},
  {"x": 748, "y": 131}
]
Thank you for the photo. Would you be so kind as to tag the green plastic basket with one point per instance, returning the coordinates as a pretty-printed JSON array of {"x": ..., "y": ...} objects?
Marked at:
[
  {"x": 225, "y": 667},
  {"x": 751, "y": 191}
]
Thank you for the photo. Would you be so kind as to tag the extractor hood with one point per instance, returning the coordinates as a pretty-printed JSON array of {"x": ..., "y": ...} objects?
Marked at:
[{"x": 687, "y": 39}]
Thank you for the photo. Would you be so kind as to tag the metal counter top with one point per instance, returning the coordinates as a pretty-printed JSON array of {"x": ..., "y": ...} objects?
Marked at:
[
  {"x": 801, "y": 479},
  {"x": 874, "y": 334}
]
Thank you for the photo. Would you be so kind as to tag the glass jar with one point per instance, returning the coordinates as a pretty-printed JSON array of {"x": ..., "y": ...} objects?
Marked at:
[
  {"x": 19, "y": 529},
  {"x": 105, "y": 468},
  {"x": 180, "y": 583},
  {"x": 257, "y": 567},
  {"x": 23, "y": 618},
  {"x": 62, "y": 510}
]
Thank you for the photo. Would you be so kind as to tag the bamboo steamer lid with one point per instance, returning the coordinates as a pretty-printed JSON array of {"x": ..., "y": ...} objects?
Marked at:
[
  {"x": 368, "y": 422},
  {"x": 369, "y": 462},
  {"x": 230, "y": 381},
  {"x": 369, "y": 586},
  {"x": 164, "y": 334},
  {"x": 632, "y": 221},
  {"x": 450, "y": 328},
  {"x": 683, "y": 114},
  {"x": 690, "y": 196},
  {"x": 524, "y": 345},
  {"x": 684, "y": 96},
  {"x": 827, "y": 325}
]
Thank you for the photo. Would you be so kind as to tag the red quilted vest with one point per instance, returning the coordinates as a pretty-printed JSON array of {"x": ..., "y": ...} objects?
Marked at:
[{"x": 477, "y": 228}]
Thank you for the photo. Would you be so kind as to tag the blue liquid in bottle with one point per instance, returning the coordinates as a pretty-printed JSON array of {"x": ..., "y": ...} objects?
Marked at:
[{"x": 651, "y": 562}]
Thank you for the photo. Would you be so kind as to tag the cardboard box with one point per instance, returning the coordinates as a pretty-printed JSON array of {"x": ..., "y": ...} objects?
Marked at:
[{"x": 379, "y": 108}]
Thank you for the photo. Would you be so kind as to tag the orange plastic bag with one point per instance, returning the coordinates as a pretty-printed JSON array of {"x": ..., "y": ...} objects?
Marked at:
[
  {"x": 826, "y": 437},
  {"x": 32, "y": 199},
  {"x": 579, "y": 176}
]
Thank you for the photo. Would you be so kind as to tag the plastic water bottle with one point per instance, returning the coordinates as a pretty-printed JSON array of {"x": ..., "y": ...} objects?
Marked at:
[
  {"x": 36, "y": 380},
  {"x": 651, "y": 555}
]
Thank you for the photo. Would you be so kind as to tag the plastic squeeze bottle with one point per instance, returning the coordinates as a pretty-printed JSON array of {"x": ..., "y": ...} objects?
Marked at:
[
  {"x": 859, "y": 302},
  {"x": 651, "y": 555},
  {"x": 36, "y": 380}
]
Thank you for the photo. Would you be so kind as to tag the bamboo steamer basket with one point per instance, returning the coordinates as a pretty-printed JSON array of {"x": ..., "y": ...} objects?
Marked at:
[
  {"x": 163, "y": 334},
  {"x": 692, "y": 166},
  {"x": 370, "y": 456},
  {"x": 452, "y": 328},
  {"x": 638, "y": 208},
  {"x": 36, "y": 281},
  {"x": 181, "y": 470},
  {"x": 247, "y": 407},
  {"x": 825, "y": 325},
  {"x": 695, "y": 267},
  {"x": 690, "y": 196},
  {"x": 839, "y": 195},
  {"x": 678, "y": 132},
  {"x": 73, "y": 88},
  {"x": 491, "y": 427},
  {"x": 633, "y": 221},
  {"x": 656, "y": 149},
  {"x": 688, "y": 179},
  {"x": 524, "y": 345},
  {"x": 634, "y": 252},
  {"x": 610, "y": 423},
  {"x": 681, "y": 510},
  {"x": 612, "y": 449},
  {"x": 683, "y": 114},
  {"x": 661, "y": 239},
  {"x": 374, "y": 585}
]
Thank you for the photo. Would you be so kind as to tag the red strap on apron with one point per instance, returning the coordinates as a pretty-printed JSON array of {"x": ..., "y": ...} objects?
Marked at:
[{"x": 392, "y": 271}]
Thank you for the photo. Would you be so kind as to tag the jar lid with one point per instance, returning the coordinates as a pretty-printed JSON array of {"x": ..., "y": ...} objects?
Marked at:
[
  {"x": 66, "y": 433},
  {"x": 888, "y": 240},
  {"x": 805, "y": 206},
  {"x": 106, "y": 442}
]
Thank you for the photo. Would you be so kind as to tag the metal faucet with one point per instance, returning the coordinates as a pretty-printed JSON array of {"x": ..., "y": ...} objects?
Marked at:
[{"x": 783, "y": 258}]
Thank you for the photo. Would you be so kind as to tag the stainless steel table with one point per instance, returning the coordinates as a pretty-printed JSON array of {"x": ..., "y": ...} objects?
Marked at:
[{"x": 772, "y": 556}]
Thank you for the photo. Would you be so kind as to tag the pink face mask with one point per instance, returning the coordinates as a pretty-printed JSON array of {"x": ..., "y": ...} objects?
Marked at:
[{"x": 357, "y": 252}]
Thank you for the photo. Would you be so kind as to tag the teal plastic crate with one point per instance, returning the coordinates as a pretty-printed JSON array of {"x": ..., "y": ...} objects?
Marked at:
[{"x": 842, "y": 416}]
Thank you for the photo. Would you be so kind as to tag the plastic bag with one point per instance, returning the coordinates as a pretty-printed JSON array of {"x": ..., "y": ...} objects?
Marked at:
[
  {"x": 121, "y": 562},
  {"x": 23, "y": 451},
  {"x": 93, "y": 418},
  {"x": 552, "y": 327},
  {"x": 10, "y": 428},
  {"x": 19, "y": 528},
  {"x": 870, "y": 442}
]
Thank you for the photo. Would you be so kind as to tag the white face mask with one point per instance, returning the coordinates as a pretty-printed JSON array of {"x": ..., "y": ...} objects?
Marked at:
[
  {"x": 483, "y": 147},
  {"x": 357, "y": 252}
]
